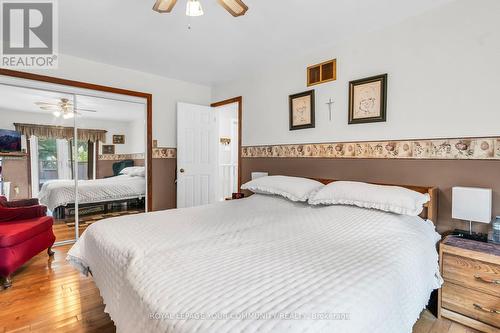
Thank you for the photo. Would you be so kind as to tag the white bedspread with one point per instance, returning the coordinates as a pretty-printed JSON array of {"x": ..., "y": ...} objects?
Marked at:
[
  {"x": 265, "y": 257},
  {"x": 55, "y": 193}
]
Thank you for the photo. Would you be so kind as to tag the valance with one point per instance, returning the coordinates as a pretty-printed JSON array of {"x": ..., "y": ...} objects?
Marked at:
[{"x": 60, "y": 132}]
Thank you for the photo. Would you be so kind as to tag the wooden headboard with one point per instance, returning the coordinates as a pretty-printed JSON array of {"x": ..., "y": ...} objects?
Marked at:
[{"x": 431, "y": 208}]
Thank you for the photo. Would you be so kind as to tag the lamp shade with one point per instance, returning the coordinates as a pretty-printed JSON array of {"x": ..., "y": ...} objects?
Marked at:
[
  {"x": 472, "y": 204},
  {"x": 193, "y": 8}
]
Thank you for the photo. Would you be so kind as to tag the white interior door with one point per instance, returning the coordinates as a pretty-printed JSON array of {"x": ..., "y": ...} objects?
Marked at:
[{"x": 196, "y": 155}]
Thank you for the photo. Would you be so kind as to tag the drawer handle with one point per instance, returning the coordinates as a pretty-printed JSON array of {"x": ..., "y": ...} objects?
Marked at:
[
  {"x": 486, "y": 280},
  {"x": 479, "y": 307}
]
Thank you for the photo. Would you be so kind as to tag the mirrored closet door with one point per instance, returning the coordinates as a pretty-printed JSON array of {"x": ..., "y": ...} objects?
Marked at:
[
  {"x": 111, "y": 157},
  {"x": 80, "y": 153},
  {"x": 37, "y": 131}
]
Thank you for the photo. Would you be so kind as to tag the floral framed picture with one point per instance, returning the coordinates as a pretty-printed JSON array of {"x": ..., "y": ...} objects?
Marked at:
[
  {"x": 302, "y": 110},
  {"x": 368, "y": 100}
]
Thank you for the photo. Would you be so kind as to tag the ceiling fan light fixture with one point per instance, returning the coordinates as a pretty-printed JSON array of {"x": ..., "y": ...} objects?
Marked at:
[
  {"x": 68, "y": 115},
  {"x": 164, "y": 6},
  {"x": 234, "y": 7},
  {"x": 56, "y": 114},
  {"x": 193, "y": 8}
]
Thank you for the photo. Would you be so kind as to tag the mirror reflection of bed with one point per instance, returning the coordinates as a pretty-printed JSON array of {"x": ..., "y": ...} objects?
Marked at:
[
  {"x": 115, "y": 192},
  {"x": 109, "y": 151}
]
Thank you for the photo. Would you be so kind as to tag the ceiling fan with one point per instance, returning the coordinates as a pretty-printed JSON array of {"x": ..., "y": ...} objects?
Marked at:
[
  {"x": 62, "y": 108},
  {"x": 193, "y": 8}
]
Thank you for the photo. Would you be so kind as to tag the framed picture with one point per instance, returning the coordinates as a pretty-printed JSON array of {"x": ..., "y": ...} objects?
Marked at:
[
  {"x": 368, "y": 100},
  {"x": 118, "y": 139},
  {"x": 108, "y": 149},
  {"x": 302, "y": 110}
]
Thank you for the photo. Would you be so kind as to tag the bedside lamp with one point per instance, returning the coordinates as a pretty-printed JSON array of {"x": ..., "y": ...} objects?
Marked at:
[{"x": 473, "y": 205}]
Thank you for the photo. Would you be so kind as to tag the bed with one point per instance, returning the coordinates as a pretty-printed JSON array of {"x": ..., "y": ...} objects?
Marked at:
[
  {"x": 263, "y": 264},
  {"x": 59, "y": 195}
]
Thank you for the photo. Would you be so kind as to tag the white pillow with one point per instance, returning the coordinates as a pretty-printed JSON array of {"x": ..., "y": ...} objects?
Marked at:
[
  {"x": 393, "y": 199},
  {"x": 293, "y": 188},
  {"x": 134, "y": 171}
]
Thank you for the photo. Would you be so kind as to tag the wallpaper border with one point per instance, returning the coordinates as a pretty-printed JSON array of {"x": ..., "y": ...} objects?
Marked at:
[
  {"x": 119, "y": 157},
  {"x": 164, "y": 152},
  {"x": 480, "y": 148},
  {"x": 158, "y": 153}
]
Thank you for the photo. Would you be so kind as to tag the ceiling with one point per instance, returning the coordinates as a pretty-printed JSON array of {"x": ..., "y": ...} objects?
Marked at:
[
  {"x": 218, "y": 47},
  {"x": 24, "y": 99}
]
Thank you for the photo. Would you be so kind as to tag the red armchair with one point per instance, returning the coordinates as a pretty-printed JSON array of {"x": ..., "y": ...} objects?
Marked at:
[{"x": 25, "y": 231}]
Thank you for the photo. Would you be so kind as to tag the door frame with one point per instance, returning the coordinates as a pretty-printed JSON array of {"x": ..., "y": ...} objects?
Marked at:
[
  {"x": 84, "y": 85},
  {"x": 238, "y": 100}
]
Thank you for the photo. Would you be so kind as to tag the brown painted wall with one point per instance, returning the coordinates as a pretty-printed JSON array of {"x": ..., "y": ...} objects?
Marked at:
[
  {"x": 105, "y": 168},
  {"x": 164, "y": 190},
  {"x": 443, "y": 174}
]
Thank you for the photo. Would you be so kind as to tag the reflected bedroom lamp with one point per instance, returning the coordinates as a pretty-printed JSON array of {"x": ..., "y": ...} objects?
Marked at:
[{"x": 473, "y": 205}]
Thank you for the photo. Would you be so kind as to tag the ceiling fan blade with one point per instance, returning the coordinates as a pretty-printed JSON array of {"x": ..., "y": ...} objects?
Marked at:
[
  {"x": 43, "y": 103},
  {"x": 234, "y": 7},
  {"x": 164, "y": 6},
  {"x": 85, "y": 110},
  {"x": 50, "y": 107}
]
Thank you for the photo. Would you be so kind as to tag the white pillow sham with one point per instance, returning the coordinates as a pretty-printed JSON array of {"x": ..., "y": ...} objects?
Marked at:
[
  {"x": 393, "y": 199},
  {"x": 292, "y": 188},
  {"x": 134, "y": 171}
]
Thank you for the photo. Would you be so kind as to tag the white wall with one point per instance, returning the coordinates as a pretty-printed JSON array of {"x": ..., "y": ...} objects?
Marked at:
[
  {"x": 134, "y": 134},
  {"x": 444, "y": 79},
  {"x": 137, "y": 137},
  {"x": 166, "y": 92}
]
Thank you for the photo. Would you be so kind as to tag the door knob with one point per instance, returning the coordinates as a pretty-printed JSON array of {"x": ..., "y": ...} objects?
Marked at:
[{"x": 181, "y": 170}]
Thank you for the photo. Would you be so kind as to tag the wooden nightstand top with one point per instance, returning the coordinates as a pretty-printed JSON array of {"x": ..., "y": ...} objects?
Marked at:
[{"x": 467, "y": 244}]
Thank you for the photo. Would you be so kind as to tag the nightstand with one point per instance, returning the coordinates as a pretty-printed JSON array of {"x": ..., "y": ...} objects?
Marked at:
[{"x": 471, "y": 291}]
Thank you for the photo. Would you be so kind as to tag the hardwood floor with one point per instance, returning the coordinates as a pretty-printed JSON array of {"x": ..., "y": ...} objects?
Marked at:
[
  {"x": 49, "y": 295},
  {"x": 65, "y": 229}
]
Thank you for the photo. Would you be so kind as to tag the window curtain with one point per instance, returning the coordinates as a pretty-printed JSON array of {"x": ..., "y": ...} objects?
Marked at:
[
  {"x": 60, "y": 132},
  {"x": 35, "y": 181},
  {"x": 63, "y": 159}
]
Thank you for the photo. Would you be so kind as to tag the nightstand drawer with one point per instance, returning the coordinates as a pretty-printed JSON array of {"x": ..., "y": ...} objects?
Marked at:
[
  {"x": 471, "y": 273},
  {"x": 471, "y": 303}
]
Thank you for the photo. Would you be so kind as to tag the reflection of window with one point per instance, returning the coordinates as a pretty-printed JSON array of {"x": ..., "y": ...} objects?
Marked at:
[
  {"x": 55, "y": 161},
  {"x": 82, "y": 155},
  {"x": 47, "y": 159},
  {"x": 83, "y": 151}
]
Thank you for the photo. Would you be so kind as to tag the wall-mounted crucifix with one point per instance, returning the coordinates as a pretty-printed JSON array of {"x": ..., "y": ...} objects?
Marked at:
[{"x": 330, "y": 106}]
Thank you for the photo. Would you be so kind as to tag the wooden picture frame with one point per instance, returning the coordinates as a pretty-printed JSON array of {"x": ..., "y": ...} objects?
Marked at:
[
  {"x": 118, "y": 139},
  {"x": 108, "y": 149},
  {"x": 368, "y": 100},
  {"x": 302, "y": 110}
]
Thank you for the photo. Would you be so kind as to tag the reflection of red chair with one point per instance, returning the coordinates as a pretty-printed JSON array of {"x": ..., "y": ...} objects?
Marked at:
[{"x": 25, "y": 231}]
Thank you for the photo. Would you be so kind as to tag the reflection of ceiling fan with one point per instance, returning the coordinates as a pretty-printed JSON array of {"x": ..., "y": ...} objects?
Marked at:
[
  {"x": 63, "y": 108},
  {"x": 234, "y": 7}
]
